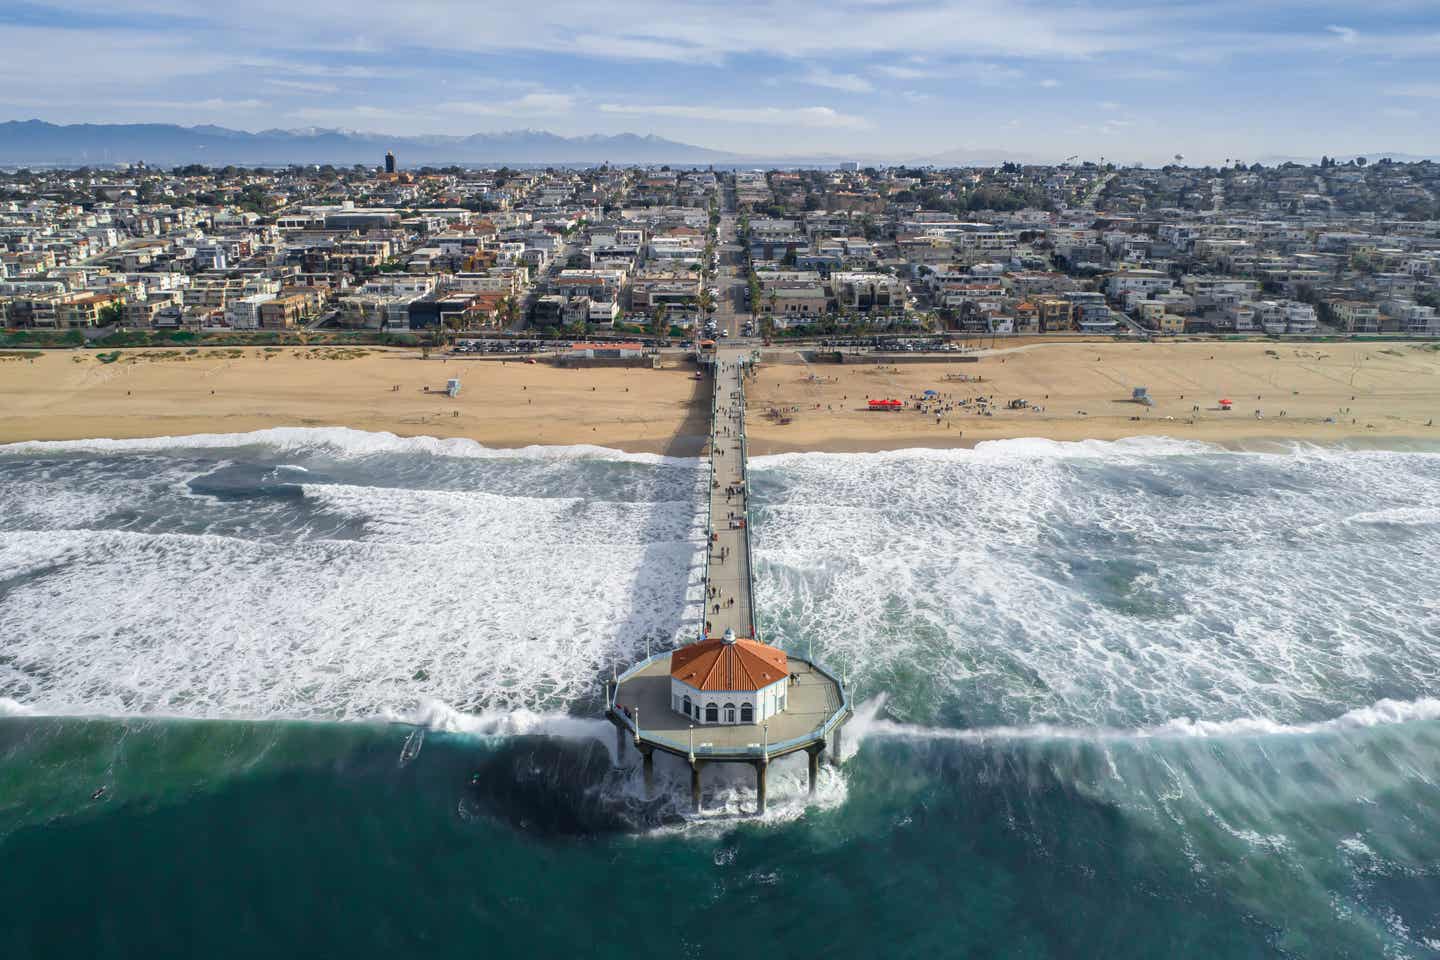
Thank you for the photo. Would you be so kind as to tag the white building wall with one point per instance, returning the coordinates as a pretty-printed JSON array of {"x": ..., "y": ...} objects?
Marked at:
[{"x": 765, "y": 702}]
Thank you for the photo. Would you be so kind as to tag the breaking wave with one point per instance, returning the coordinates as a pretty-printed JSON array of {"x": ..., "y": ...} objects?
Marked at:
[
  {"x": 1383, "y": 713},
  {"x": 334, "y": 441},
  {"x": 1023, "y": 585}
]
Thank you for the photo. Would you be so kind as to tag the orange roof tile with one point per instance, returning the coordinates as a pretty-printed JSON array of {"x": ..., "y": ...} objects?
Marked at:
[{"x": 716, "y": 665}]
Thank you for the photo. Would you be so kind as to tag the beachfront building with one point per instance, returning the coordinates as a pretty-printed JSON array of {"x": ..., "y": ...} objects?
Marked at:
[{"x": 728, "y": 680}]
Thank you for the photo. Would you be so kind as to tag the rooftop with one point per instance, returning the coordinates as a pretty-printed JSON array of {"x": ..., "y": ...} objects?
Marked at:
[{"x": 728, "y": 664}]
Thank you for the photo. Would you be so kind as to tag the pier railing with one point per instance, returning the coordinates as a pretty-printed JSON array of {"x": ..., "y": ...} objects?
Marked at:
[
  {"x": 710, "y": 480},
  {"x": 745, "y": 481}
]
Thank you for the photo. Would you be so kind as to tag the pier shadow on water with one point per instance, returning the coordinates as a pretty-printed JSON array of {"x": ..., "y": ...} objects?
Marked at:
[{"x": 655, "y": 534}]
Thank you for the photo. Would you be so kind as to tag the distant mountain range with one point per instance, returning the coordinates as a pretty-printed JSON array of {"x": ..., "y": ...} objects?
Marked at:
[{"x": 37, "y": 142}]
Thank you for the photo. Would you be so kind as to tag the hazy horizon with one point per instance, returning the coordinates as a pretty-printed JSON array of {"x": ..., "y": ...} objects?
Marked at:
[{"x": 1138, "y": 82}]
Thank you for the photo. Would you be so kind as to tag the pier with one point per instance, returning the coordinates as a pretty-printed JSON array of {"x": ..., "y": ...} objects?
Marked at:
[{"x": 728, "y": 697}]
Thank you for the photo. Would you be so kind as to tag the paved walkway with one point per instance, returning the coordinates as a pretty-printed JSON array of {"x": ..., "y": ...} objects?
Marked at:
[{"x": 728, "y": 581}]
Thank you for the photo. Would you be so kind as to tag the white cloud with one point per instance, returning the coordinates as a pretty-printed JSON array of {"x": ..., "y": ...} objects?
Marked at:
[
  {"x": 1110, "y": 106},
  {"x": 446, "y": 116},
  {"x": 1401, "y": 113},
  {"x": 303, "y": 68},
  {"x": 212, "y": 104},
  {"x": 531, "y": 104},
  {"x": 899, "y": 72},
  {"x": 302, "y": 86},
  {"x": 111, "y": 58},
  {"x": 1429, "y": 91},
  {"x": 982, "y": 72},
  {"x": 769, "y": 116},
  {"x": 849, "y": 82},
  {"x": 437, "y": 56},
  {"x": 684, "y": 31},
  {"x": 361, "y": 116}
]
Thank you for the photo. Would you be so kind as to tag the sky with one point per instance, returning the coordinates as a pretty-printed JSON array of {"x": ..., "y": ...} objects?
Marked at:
[{"x": 871, "y": 80}]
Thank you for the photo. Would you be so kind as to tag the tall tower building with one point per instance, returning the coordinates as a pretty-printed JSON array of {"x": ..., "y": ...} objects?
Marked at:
[{"x": 389, "y": 162}]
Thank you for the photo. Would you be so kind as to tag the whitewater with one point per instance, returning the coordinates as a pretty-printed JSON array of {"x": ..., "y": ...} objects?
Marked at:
[
  {"x": 339, "y": 575},
  {"x": 1143, "y": 698}
]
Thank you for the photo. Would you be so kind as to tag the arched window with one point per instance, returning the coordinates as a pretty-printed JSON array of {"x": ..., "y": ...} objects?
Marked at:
[
  {"x": 686, "y": 704},
  {"x": 712, "y": 713},
  {"x": 747, "y": 713},
  {"x": 729, "y": 713}
]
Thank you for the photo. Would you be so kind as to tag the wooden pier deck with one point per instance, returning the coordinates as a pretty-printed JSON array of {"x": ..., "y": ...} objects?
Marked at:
[
  {"x": 729, "y": 579},
  {"x": 640, "y": 702}
]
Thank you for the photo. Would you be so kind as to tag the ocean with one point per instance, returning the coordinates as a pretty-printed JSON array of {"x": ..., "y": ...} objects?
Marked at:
[{"x": 330, "y": 693}]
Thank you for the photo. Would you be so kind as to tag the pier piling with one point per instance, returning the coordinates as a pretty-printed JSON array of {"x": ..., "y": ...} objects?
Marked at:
[
  {"x": 761, "y": 768},
  {"x": 647, "y": 755},
  {"x": 695, "y": 786}
]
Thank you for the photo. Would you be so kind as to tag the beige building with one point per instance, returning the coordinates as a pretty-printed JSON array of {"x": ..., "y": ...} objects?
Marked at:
[{"x": 86, "y": 311}]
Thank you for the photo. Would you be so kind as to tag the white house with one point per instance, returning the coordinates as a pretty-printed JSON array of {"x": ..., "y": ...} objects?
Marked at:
[
  {"x": 728, "y": 680},
  {"x": 243, "y": 313}
]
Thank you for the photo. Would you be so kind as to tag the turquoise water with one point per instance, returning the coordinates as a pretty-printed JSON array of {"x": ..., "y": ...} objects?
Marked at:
[{"x": 1127, "y": 700}]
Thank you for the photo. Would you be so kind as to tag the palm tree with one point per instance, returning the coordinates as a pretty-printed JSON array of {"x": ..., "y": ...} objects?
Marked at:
[
  {"x": 659, "y": 323},
  {"x": 510, "y": 309}
]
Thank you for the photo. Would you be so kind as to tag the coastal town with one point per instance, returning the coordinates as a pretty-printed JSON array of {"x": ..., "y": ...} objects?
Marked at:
[
  {"x": 130, "y": 255},
  {"x": 901, "y": 478}
]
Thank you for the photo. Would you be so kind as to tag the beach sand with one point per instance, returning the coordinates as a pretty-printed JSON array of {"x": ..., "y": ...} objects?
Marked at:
[
  {"x": 1084, "y": 389},
  {"x": 67, "y": 395},
  {"x": 1388, "y": 391}
]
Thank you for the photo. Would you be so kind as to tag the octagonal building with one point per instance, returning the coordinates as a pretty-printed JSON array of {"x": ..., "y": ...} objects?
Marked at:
[{"x": 728, "y": 680}]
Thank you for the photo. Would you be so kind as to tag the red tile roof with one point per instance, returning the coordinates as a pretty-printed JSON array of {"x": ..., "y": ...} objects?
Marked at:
[{"x": 716, "y": 665}]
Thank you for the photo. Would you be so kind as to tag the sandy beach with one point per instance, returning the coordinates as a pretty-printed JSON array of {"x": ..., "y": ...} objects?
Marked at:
[{"x": 1316, "y": 392}]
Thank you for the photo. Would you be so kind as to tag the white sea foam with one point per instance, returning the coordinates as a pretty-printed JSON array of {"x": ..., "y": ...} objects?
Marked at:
[
  {"x": 438, "y": 715},
  {"x": 1022, "y": 585},
  {"x": 1383, "y": 713},
  {"x": 728, "y": 793},
  {"x": 1399, "y": 516},
  {"x": 478, "y": 600},
  {"x": 1120, "y": 589},
  {"x": 1008, "y": 450},
  {"x": 340, "y": 442}
]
